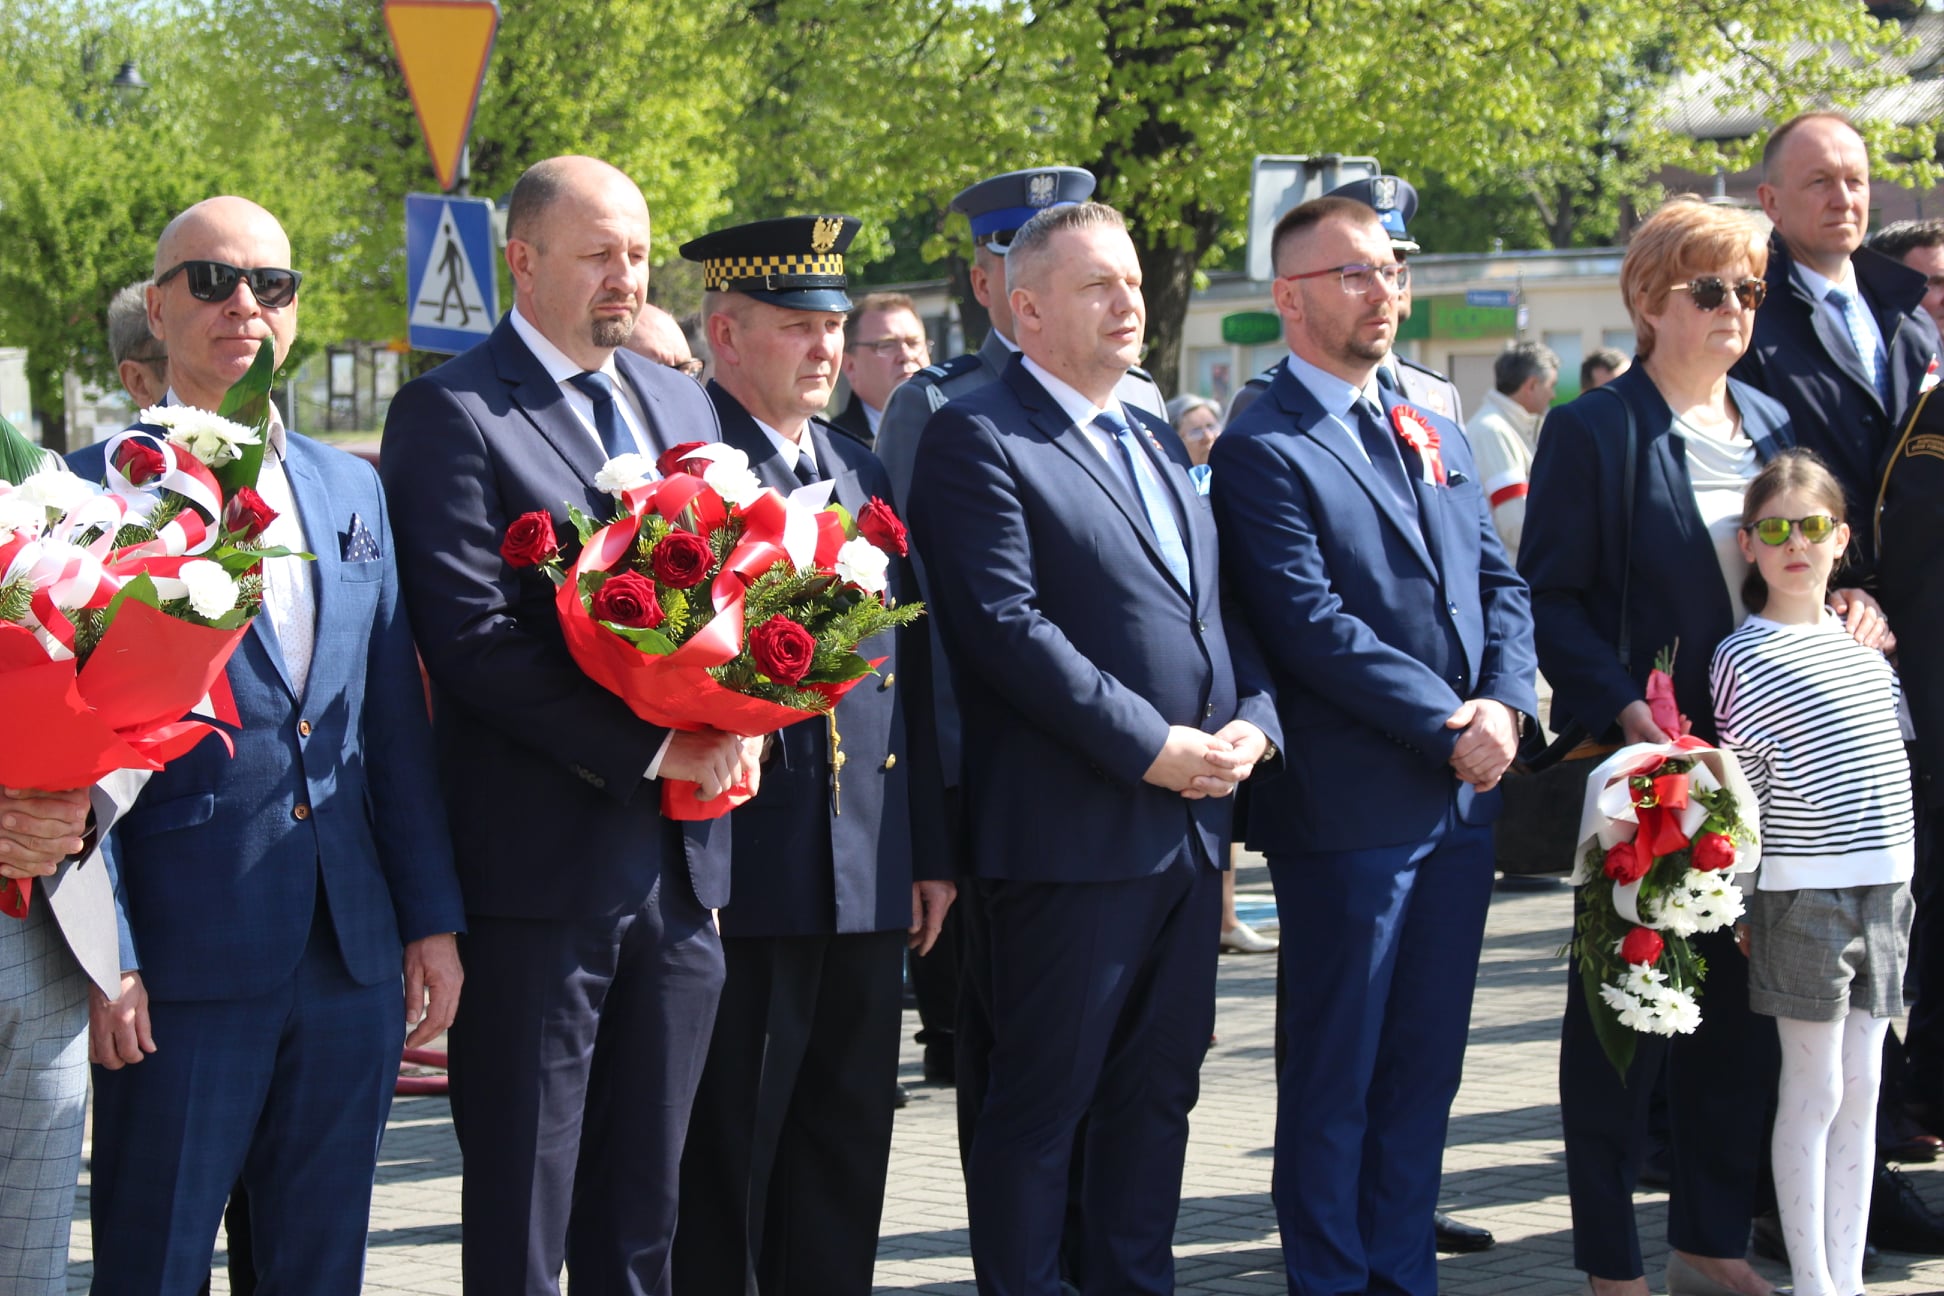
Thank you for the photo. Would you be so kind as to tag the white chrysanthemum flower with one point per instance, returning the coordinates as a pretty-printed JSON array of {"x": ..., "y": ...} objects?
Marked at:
[
  {"x": 1643, "y": 981},
  {"x": 732, "y": 479},
  {"x": 21, "y": 516},
  {"x": 212, "y": 438},
  {"x": 864, "y": 565},
  {"x": 1676, "y": 914},
  {"x": 211, "y": 591},
  {"x": 623, "y": 473},
  {"x": 1681, "y": 1013},
  {"x": 1617, "y": 999},
  {"x": 56, "y": 491}
]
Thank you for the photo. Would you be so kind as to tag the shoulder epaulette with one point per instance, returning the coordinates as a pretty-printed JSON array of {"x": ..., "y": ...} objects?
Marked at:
[
  {"x": 1135, "y": 371},
  {"x": 1422, "y": 368}
]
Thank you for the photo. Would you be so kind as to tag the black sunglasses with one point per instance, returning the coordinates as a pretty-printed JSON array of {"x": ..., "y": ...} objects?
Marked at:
[
  {"x": 213, "y": 281},
  {"x": 1709, "y": 291}
]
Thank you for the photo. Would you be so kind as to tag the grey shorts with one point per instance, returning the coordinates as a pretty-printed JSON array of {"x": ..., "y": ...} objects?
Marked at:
[{"x": 1818, "y": 953}]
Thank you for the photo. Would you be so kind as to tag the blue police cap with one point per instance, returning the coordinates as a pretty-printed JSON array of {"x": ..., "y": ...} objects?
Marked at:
[
  {"x": 999, "y": 206},
  {"x": 796, "y": 262},
  {"x": 1394, "y": 201}
]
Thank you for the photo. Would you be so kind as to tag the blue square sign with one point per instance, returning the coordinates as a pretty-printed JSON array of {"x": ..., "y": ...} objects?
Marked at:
[{"x": 449, "y": 272}]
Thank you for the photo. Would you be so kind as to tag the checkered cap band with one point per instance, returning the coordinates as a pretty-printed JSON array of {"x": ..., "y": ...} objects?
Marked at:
[{"x": 731, "y": 274}]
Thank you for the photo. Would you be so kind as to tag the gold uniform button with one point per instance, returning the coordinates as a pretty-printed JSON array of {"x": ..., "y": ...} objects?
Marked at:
[
  {"x": 303, "y": 728},
  {"x": 891, "y": 761},
  {"x": 889, "y": 679},
  {"x": 301, "y": 812}
]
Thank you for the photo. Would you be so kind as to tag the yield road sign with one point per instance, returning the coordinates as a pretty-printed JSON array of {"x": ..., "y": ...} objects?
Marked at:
[
  {"x": 449, "y": 271},
  {"x": 443, "y": 48}
]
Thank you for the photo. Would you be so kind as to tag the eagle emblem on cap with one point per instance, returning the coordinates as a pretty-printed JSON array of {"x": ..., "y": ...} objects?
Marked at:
[
  {"x": 1041, "y": 189},
  {"x": 823, "y": 236},
  {"x": 1383, "y": 193}
]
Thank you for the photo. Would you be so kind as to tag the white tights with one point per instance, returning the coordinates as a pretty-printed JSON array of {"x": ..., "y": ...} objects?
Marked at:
[{"x": 1825, "y": 1147}]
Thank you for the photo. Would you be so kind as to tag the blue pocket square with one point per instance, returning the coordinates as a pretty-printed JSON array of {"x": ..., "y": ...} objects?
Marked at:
[{"x": 359, "y": 544}]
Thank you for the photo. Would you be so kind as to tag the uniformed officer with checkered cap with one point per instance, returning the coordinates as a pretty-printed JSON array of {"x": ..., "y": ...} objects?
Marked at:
[
  {"x": 1395, "y": 201},
  {"x": 783, "y": 1175}
]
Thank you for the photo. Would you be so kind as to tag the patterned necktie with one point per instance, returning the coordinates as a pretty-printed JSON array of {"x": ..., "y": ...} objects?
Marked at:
[
  {"x": 1160, "y": 513},
  {"x": 599, "y": 388},
  {"x": 1386, "y": 454},
  {"x": 1865, "y": 342}
]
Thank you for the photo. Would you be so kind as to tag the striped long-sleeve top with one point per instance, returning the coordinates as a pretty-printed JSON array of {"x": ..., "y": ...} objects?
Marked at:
[{"x": 1813, "y": 717}]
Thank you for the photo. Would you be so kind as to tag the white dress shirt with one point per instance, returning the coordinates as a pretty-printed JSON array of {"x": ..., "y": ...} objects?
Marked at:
[
  {"x": 1336, "y": 396},
  {"x": 561, "y": 369},
  {"x": 1819, "y": 287},
  {"x": 788, "y": 449},
  {"x": 1083, "y": 412}
]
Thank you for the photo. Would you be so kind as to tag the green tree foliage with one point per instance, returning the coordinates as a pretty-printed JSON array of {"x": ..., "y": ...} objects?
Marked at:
[{"x": 1530, "y": 123}]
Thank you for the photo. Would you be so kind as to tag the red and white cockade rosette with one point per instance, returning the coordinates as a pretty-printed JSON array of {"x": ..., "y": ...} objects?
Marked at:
[
  {"x": 1664, "y": 831},
  {"x": 1415, "y": 430},
  {"x": 674, "y": 684},
  {"x": 107, "y": 651}
]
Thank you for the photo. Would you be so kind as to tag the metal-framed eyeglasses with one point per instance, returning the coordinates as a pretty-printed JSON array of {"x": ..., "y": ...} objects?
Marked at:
[{"x": 1358, "y": 278}]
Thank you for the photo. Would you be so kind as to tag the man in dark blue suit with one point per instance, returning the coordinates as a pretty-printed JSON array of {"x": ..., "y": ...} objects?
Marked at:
[
  {"x": 783, "y": 1177},
  {"x": 1356, "y": 537},
  {"x": 1843, "y": 340},
  {"x": 266, "y": 899},
  {"x": 1107, "y": 714},
  {"x": 593, "y": 959}
]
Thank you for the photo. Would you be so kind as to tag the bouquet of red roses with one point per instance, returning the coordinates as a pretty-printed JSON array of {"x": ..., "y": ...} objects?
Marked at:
[
  {"x": 712, "y": 601},
  {"x": 121, "y": 604},
  {"x": 1662, "y": 834}
]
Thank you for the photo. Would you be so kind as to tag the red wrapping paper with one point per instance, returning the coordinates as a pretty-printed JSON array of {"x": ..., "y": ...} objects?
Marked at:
[
  {"x": 124, "y": 709},
  {"x": 675, "y": 690}
]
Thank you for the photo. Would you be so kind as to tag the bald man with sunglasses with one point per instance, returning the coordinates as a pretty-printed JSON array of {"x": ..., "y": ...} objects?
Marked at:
[{"x": 272, "y": 905}]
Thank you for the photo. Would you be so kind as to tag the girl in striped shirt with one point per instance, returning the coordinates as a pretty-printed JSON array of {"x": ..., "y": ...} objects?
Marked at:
[{"x": 1813, "y": 717}]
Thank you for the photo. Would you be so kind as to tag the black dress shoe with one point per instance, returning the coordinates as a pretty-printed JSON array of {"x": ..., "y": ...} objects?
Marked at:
[
  {"x": 1899, "y": 1220},
  {"x": 1460, "y": 1239},
  {"x": 941, "y": 1064},
  {"x": 900, "y": 1097}
]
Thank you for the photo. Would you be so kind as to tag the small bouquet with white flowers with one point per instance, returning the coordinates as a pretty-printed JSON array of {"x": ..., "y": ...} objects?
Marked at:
[{"x": 121, "y": 603}]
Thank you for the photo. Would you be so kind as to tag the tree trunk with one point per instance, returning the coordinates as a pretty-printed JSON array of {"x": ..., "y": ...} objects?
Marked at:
[
  {"x": 973, "y": 318},
  {"x": 1168, "y": 280}
]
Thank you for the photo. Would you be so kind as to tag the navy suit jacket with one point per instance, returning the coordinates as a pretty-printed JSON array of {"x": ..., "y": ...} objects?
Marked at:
[
  {"x": 1574, "y": 549},
  {"x": 542, "y": 768},
  {"x": 1072, "y": 647},
  {"x": 1803, "y": 357},
  {"x": 804, "y": 866},
  {"x": 1374, "y": 632},
  {"x": 217, "y": 865}
]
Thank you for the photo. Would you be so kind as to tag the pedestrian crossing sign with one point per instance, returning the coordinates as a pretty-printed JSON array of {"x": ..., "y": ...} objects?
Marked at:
[{"x": 449, "y": 272}]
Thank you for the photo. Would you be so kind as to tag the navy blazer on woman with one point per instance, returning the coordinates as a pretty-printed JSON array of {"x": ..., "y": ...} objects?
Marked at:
[
  {"x": 1072, "y": 647},
  {"x": 1376, "y": 626},
  {"x": 1803, "y": 357},
  {"x": 542, "y": 768},
  {"x": 1575, "y": 542},
  {"x": 218, "y": 864},
  {"x": 803, "y": 865}
]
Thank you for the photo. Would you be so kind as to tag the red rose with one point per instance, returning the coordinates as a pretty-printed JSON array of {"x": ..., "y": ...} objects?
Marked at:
[
  {"x": 677, "y": 460},
  {"x": 1713, "y": 850},
  {"x": 682, "y": 559},
  {"x": 782, "y": 649},
  {"x": 1642, "y": 945},
  {"x": 140, "y": 462},
  {"x": 628, "y": 599},
  {"x": 1626, "y": 864},
  {"x": 247, "y": 514},
  {"x": 878, "y": 524},
  {"x": 529, "y": 541}
]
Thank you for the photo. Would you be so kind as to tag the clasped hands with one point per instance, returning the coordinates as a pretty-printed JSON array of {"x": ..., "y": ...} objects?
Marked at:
[
  {"x": 1488, "y": 741},
  {"x": 40, "y": 829},
  {"x": 1198, "y": 764}
]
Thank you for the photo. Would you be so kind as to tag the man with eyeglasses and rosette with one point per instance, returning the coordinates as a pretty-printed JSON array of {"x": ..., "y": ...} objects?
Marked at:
[{"x": 1357, "y": 540}]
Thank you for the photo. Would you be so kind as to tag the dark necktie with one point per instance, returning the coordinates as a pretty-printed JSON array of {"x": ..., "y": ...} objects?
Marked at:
[
  {"x": 1386, "y": 378},
  {"x": 599, "y": 388},
  {"x": 1154, "y": 501},
  {"x": 806, "y": 470},
  {"x": 1386, "y": 453}
]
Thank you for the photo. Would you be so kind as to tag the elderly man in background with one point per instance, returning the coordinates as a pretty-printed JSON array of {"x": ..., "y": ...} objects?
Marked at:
[
  {"x": 1504, "y": 432},
  {"x": 141, "y": 360},
  {"x": 658, "y": 336}
]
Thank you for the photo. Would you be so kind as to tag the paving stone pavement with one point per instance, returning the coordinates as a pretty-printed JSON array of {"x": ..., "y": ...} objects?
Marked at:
[{"x": 1504, "y": 1166}]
